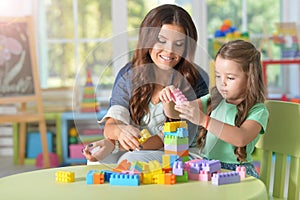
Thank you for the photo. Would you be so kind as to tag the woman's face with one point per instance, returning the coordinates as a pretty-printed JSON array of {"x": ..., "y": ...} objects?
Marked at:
[{"x": 169, "y": 48}]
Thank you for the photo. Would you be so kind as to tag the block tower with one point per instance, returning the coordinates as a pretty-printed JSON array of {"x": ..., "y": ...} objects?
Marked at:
[
  {"x": 176, "y": 143},
  {"x": 89, "y": 101}
]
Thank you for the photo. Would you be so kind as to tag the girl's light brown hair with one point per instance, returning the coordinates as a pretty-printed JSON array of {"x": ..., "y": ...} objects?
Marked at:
[{"x": 249, "y": 58}]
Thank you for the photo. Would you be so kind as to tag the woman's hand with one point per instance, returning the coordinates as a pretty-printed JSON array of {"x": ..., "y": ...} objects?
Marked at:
[
  {"x": 190, "y": 110},
  {"x": 98, "y": 150},
  {"x": 128, "y": 137},
  {"x": 165, "y": 95}
]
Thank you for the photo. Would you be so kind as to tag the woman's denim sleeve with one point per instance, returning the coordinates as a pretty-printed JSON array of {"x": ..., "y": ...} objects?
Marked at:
[{"x": 121, "y": 91}]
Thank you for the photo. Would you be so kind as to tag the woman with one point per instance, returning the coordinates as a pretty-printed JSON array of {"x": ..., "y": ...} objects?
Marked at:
[{"x": 164, "y": 56}]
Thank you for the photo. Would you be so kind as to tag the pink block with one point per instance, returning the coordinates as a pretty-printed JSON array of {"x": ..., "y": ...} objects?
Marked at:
[
  {"x": 178, "y": 97},
  {"x": 193, "y": 176},
  {"x": 242, "y": 171},
  {"x": 75, "y": 151},
  {"x": 204, "y": 176}
]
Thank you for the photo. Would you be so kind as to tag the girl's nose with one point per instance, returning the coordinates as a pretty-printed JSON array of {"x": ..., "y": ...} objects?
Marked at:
[{"x": 223, "y": 81}]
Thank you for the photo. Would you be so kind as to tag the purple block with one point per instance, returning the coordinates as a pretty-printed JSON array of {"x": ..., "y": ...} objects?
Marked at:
[
  {"x": 195, "y": 168},
  {"x": 178, "y": 168},
  {"x": 211, "y": 166},
  {"x": 225, "y": 178}
]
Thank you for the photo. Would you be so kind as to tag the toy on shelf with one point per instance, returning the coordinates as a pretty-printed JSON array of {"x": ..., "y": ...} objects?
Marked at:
[
  {"x": 225, "y": 33},
  {"x": 89, "y": 101},
  {"x": 287, "y": 38}
]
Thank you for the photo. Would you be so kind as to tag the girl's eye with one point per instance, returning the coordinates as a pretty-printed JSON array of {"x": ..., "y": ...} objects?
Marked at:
[
  {"x": 218, "y": 76},
  {"x": 230, "y": 78}
]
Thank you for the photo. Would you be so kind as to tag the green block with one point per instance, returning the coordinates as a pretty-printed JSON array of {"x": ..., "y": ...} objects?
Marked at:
[
  {"x": 183, "y": 178},
  {"x": 170, "y": 139}
]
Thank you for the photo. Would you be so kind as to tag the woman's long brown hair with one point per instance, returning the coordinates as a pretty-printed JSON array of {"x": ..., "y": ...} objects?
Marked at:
[
  {"x": 249, "y": 59},
  {"x": 148, "y": 36}
]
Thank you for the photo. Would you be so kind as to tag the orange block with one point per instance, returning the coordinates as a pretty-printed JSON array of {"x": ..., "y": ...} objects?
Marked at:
[
  {"x": 179, "y": 153},
  {"x": 170, "y": 179},
  {"x": 98, "y": 178}
]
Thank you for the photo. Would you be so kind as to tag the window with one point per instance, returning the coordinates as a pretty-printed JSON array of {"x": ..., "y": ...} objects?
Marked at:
[
  {"x": 74, "y": 36},
  {"x": 259, "y": 19},
  {"x": 77, "y": 34}
]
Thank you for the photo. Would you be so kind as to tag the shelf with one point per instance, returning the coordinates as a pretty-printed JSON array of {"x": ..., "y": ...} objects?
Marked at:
[{"x": 76, "y": 119}]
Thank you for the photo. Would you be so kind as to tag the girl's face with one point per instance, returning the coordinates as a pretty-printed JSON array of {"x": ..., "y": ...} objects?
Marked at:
[
  {"x": 231, "y": 81},
  {"x": 169, "y": 48}
]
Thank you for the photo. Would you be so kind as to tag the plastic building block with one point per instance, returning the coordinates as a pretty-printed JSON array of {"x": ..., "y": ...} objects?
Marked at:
[
  {"x": 195, "y": 177},
  {"x": 211, "y": 166},
  {"x": 64, "y": 176},
  {"x": 107, "y": 174},
  {"x": 242, "y": 171},
  {"x": 90, "y": 177},
  {"x": 159, "y": 179},
  {"x": 124, "y": 180},
  {"x": 167, "y": 170},
  {"x": 155, "y": 167},
  {"x": 95, "y": 177},
  {"x": 136, "y": 166},
  {"x": 178, "y": 168},
  {"x": 180, "y": 147},
  {"x": 172, "y": 126},
  {"x": 170, "y": 179},
  {"x": 124, "y": 165},
  {"x": 225, "y": 178},
  {"x": 195, "y": 168},
  {"x": 145, "y": 135},
  {"x": 148, "y": 178},
  {"x": 168, "y": 160},
  {"x": 168, "y": 139},
  {"x": 180, "y": 132},
  {"x": 204, "y": 176},
  {"x": 167, "y": 179},
  {"x": 98, "y": 178},
  {"x": 178, "y": 97},
  {"x": 179, "y": 153},
  {"x": 183, "y": 178}
]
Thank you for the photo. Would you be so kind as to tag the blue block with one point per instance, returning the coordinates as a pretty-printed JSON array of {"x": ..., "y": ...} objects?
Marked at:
[
  {"x": 125, "y": 180},
  {"x": 34, "y": 145}
]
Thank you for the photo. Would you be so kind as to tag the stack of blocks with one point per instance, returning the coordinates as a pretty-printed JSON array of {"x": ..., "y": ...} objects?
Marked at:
[
  {"x": 89, "y": 102},
  {"x": 176, "y": 139}
]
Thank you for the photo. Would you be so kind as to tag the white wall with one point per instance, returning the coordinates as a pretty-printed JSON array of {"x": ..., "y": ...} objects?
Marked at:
[
  {"x": 290, "y": 13},
  {"x": 15, "y": 8}
]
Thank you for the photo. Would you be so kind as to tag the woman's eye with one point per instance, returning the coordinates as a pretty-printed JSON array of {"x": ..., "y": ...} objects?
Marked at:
[
  {"x": 179, "y": 44},
  {"x": 218, "y": 76},
  {"x": 230, "y": 78},
  {"x": 160, "y": 40}
]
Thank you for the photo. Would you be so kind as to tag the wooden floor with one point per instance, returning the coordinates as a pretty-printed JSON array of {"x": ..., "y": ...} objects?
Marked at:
[{"x": 7, "y": 167}]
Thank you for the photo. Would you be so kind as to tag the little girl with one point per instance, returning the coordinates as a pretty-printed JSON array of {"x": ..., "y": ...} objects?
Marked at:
[{"x": 233, "y": 115}]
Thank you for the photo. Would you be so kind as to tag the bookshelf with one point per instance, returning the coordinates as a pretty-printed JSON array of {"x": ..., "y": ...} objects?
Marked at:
[{"x": 88, "y": 130}]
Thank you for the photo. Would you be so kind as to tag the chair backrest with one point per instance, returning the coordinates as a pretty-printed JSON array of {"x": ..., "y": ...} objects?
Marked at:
[{"x": 282, "y": 142}]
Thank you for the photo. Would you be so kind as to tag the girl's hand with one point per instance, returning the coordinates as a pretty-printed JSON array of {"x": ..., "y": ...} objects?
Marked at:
[
  {"x": 128, "y": 137},
  {"x": 165, "y": 95},
  {"x": 98, "y": 150},
  {"x": 190, "y": 111}
]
